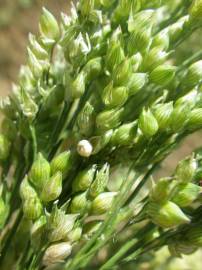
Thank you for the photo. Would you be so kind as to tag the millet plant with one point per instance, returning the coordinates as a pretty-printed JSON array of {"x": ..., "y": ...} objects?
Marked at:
[{"x": 97, "y": 108}]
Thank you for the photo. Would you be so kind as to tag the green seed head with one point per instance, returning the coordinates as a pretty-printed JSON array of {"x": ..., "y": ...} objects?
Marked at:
[
  {"x": 194, "y": 75},
  {"x": 59, "y": 224},
  {"x": 93, "y": 68},
  {"x": 40, "y": 172},
  {"x": 99, "y": 184},
  {"x": 61, "y": 163},
  {"x": 154, "y": 58},
  {"x": 109, "y": 119},
  {"x": 115, "y": 55},
  {"x": 136, "y": 82},
  {"x": 53, "y": 188},
  {"x": 163, "y": 190},
  {"x": 125, "y": 134},
  {"x": 26, "y": 190},
  {"x": 37, "y": 49},
  {"x": 32, "y": 208},
  {"x": 48, "y": 25},
  {"x": 56, "y": 253},
  {"x": 166, "y": 215},
  {"x": 102, "y": 203},
  {"x": 161, "y": 40},
  {"x": 75, "y": 235},
  {"x": 79, "y": 203},
  {"x": 186, "y": 169},
  {"x": 139, "y": 41},
  {"x": 148, "y": 123},
  {"x": 162, "y": 113},
  {"x": 78, "y": 86},
  {"x": 195, "y": 119},
  {"x": 122, "y": 73},
  {"x": 84, "y": 179},
  {"x": 186, "y": 194},
  {"x": 86, "y": 119},
  {"x": 179, "y": 117},
  {"x": 136, "y": 61},
  {"x": 114, "y": 96},
  {"x": 162, "y": 75},
  {"x": 4, "y": 147}
]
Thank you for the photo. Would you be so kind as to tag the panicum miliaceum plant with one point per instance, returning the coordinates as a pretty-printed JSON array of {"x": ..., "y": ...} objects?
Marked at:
[{"x": 96, "y": 109}]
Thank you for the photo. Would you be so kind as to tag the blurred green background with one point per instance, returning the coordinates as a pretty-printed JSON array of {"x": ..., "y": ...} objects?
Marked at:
[{"x": 17, "y": 19}]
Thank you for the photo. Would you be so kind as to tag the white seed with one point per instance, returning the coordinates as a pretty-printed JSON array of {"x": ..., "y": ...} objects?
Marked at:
[{"x": 84, "y": 148}]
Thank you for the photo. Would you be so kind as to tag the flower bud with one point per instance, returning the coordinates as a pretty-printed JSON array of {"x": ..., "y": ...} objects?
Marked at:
[
  {"x": 84, "y": 148},
  {"x": 162, "y": 75},
  {"x": 84, "y": 179},
  {"x": 109, "y": 119},
  {"x": 32, "y": 208},
  {"x": 27, "y": 105},
  {"x": 86, "y": 6},
  {"x": 186, "y": 169},
  {"x": 59, "y": 224},
  {"x": 166, "y": 215},
  {"x": 57, "y": 253},
  {"x": 78, "y": 86},
  {"x": 99, "y": 142},
  {"x": 136, "y": 82},
  {"x": 186, "y": 193},
  {"x": 195, "y": 119},
  {"x": 3, "y": 212},
  {"x": 37, "y": 232},
  {"x": 136, "y": 61},
  {"x": 162, "y": 113},
  {"x": 162, "y": 190},
  {"x": 40, "y": 171},
  {"x": 61, "y": 163},
  {"x": 79, "y": 203},
  {"x": 125, "y": 134},
  {"x": 48, "y": 25},
  {"x": 115, "y": 55},
  {"x": 53, "y": 188},
  {"x": 195, "y": 10},
  {"x": 75, "y": 234},
  {"x": 161, "y": 40},
  {"x": 122, "y": 73},
  {"x": 26, "y": 190},
  {"x": 102, "y": 203},
  {"x": 37, "y": 49},
  {"x": 194, "y": 75},
  {"x": 194, "y": 235},
  {"x": 93, "y": 68},
  {"x": 179, "y": 117},
  {"x": 114, "y": 96},
  {"x": 5, "y": 146},
  {"x": 99, "y": 184},
  {"x": 148, "y": 123},
  {"x": 139, "y": 41},
  {"x": 154, "y": 58}
]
